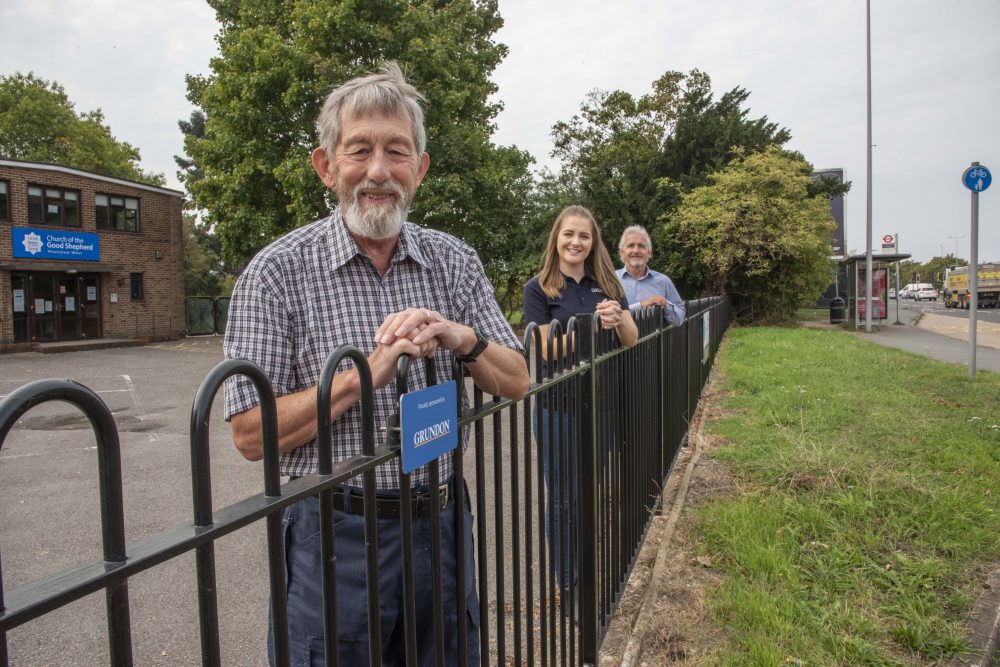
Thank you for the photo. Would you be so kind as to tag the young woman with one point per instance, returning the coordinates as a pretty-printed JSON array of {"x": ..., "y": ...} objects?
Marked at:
[{"x": 577, "y": 277}]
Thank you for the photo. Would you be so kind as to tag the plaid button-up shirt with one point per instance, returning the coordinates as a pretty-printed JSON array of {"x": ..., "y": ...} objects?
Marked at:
[{"x": 314, "y": 290}]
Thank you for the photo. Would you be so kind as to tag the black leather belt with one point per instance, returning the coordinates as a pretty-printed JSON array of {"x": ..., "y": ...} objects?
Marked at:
[
  {"x": 390, "y": 507},
  {"x": 386, "y": 506}
]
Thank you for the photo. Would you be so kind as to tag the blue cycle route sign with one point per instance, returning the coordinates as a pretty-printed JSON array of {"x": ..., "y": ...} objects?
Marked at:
[
  {"x": 428, "y": 424},
  {"x": 977, "y": 178}
]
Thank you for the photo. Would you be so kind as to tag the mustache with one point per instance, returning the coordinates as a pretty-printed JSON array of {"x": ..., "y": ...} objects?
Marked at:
[{"x": 390, "y": 185}]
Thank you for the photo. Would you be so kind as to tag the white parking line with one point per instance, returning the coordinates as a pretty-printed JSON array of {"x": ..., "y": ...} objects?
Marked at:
[
  {"x": 135, "y": 402},
  {"x": 29, "y": 455},
  {"x": 131, "y": 390}
]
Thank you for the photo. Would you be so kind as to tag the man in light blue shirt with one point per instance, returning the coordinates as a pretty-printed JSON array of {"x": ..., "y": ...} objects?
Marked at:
[{"x": 643, "y": 286}]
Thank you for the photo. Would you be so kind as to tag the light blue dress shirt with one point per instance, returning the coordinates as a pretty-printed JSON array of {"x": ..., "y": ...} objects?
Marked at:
[{"x": 654, "y": 282}]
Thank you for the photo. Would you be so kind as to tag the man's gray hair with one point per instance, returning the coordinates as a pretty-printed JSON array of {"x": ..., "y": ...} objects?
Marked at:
[
  {"x": 386, "y": 92},
  {"x": 635, "y": 229}
]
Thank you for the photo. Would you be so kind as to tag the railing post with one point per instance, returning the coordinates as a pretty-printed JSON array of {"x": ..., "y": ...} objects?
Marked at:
[
  {"x": 589, "y": 530},
  {"x": 112, "y": 503},
  {"x": 663, "y": 330}
]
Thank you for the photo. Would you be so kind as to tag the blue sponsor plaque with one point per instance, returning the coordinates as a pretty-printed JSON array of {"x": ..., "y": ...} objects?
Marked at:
[
  {"x": 34, "y": 243},
  {"x": 428, "y": 424}
]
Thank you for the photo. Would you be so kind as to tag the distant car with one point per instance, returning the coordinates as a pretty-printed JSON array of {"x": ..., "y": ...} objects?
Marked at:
[
  {"x": 892, "y": 292},
  {"x": 925, "y": 291}
]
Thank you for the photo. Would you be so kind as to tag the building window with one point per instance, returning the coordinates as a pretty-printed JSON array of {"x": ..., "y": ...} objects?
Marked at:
[
  {"x": 136, "y": 282},
  {"x": 4, "y": 201},
  {"x": 53, "y": 206},
  {"x": 120, "y": 213}
]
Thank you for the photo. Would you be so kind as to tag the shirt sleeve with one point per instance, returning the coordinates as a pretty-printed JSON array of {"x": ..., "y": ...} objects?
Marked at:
[
  {"x": 483, "y": 309},
  {"x": 675, "y": 310},
  {"x": 536, "y": 304},
  {"x": 259, "y": 330}
]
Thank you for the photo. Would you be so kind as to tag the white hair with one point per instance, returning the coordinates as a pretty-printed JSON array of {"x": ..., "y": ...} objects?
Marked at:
[
  {"x": 386, "y": 92},
  {"x": 635, "y": 229}
]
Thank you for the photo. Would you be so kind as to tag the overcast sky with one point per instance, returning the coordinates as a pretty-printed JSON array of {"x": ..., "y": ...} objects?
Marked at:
[{"x": 935, "y": 84}]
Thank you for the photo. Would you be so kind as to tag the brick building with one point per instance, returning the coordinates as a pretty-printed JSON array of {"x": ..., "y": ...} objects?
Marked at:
[{"x": 86, "y": 256}]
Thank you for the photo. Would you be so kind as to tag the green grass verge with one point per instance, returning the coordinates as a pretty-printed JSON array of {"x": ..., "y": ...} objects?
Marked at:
[{"x": 867, "y": 503}]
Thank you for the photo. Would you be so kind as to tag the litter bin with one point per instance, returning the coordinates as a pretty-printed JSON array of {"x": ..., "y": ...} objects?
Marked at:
[{"x": 837, "y": 310}]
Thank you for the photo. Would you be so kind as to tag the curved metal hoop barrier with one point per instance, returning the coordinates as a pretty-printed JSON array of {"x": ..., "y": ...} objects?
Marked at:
[{"x": 563, "y": 485}]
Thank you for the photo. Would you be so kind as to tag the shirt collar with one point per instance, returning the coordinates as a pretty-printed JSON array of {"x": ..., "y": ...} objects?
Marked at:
[
  {"x": 343, "y": 247},
  {"x": 623, "y": 272},
  {"x": 586, "y": 278}
]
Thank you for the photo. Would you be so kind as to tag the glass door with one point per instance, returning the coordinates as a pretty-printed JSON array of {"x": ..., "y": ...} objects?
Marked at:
[
  {"x": 19, "y": 292},
  {"x": 68, "y": 306},
  {"x": 42, "y": 300},
  {"x": 90, "y": 305}
]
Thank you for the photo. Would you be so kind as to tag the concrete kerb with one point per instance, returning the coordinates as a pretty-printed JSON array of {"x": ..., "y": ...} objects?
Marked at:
[{"x": 984, "y": 627}]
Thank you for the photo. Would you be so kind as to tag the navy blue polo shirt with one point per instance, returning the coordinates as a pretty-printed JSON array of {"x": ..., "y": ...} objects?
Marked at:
[{"x": 576, "y": 298}]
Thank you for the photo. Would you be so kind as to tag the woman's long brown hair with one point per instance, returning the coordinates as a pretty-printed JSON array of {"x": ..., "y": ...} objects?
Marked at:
[{"x": 597, "y": 265}]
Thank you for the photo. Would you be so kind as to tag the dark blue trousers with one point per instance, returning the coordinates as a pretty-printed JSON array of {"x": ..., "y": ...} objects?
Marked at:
[
  {"x": 559, "y": 466},
  {"x": 305, "y": 612}
]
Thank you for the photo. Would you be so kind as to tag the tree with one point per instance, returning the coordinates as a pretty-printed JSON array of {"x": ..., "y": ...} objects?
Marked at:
[
  {"x": 38, "y": 123},
  {"x": 248, "y": 166},
  {"x": 205, "y": 274},
  {"x": 755, "y": 234},
  {"x": 630, "y": 160},
  {"x": 931, "y": 271}
]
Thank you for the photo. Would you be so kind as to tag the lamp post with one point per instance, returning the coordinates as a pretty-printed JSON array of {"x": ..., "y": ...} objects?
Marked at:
[
  {"x": 868, "y": 251},
  {"x": 956, "y": 243}
]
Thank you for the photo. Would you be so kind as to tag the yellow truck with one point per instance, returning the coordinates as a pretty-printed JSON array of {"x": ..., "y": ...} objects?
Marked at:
[{"x": 956, "y": 286}]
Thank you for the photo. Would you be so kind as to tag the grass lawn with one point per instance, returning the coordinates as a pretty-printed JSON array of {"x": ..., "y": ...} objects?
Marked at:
[{"x": 866, "y": 508}]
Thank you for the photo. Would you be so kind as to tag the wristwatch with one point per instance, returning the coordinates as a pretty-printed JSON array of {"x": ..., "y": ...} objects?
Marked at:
[{"x": 481, "y": 342}]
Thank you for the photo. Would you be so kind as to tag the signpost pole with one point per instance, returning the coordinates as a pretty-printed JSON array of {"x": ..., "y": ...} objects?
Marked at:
[
  {"x": 897, "y": 281},
  {"x": 977, "y": 178},
  {"x": 973, "y": 281}
]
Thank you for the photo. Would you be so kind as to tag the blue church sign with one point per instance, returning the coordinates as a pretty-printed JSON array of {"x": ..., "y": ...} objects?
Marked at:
[{"x": 32, "y": 243}]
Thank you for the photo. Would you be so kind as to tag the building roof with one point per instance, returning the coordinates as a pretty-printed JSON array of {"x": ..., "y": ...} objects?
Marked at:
[
  {"x": 58, "y": 168},
  {"x": 895, "y": 257}
]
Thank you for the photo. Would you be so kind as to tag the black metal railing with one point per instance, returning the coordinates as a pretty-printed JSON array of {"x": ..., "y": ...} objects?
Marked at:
[{"x": 564, "y": 485}]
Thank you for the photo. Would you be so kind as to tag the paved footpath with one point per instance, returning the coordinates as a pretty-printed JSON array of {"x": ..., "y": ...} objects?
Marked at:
[{"x": 937, "y": 336}]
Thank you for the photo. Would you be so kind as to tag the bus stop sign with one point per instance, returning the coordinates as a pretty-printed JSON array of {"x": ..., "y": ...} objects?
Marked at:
[{"x": 977, "y": 178}]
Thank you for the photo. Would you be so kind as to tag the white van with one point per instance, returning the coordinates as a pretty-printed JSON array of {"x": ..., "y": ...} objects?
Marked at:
[{"x": 907, "y": 291}]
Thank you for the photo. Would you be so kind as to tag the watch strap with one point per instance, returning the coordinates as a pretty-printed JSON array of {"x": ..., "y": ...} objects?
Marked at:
[{"x": 481, "y": 342}]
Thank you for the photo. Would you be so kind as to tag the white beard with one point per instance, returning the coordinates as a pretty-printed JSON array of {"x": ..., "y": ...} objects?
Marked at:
[{"x": 375, "y": 222}]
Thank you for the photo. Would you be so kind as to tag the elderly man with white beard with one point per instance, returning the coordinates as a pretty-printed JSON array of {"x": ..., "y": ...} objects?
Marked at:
[{"x": 366, "y": 277}]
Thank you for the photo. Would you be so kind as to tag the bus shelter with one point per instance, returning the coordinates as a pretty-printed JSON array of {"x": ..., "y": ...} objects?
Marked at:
[{"x": 855, "y": 289}]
